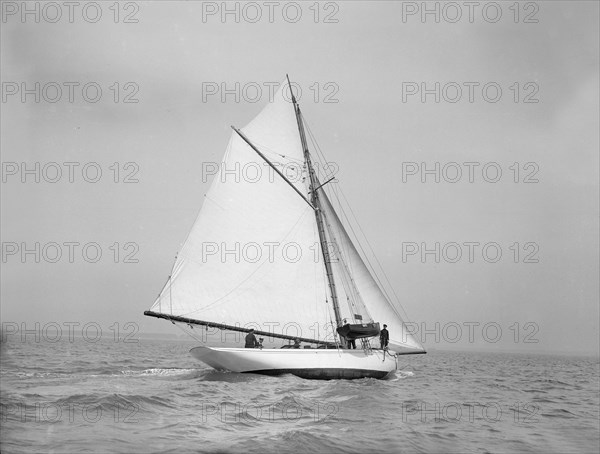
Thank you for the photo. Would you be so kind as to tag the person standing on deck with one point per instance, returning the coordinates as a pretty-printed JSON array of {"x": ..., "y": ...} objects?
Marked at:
[
  {"x": 384, "y": 337},
  {"x": 350, "y": 343},
  {"x": 251, "y": 341}
]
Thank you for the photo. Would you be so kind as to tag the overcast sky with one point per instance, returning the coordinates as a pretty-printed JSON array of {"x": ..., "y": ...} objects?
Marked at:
[{"x": 373, "y": 59}]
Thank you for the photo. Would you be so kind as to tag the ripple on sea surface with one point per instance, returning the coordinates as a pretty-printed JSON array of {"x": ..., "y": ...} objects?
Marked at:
[{"x": 152, "y": 396}]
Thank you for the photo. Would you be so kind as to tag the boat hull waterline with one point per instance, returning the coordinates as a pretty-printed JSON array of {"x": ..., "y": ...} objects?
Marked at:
[{"x": 323, "y": 364}]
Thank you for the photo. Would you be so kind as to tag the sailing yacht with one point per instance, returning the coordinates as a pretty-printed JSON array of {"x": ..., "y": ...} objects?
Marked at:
[{"x": 269, "y": 252}]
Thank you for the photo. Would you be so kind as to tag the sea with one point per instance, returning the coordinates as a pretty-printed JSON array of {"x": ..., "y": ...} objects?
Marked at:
[{"x": 73, "y": 395}]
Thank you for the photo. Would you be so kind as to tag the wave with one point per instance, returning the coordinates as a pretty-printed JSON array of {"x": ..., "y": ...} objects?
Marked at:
[
  {"x": 559, "y": 413},
  {"x": 210, "y": 375},
  {"x": 158, "y": 372},
  {"x": 399, "y": 375},
  {"x": 117, "y": 402}
]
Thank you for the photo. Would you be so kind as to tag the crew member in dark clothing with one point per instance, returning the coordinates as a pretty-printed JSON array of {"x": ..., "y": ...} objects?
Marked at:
[
  {"x": 350, "y": 343},
  {"x": 384, "y": 337},
  {"x": 251, "y": 341}
]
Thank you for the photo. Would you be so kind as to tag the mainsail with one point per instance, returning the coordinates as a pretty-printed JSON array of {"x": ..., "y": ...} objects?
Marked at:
[
  {"x": 249, "y": 259},
  {"x": 253, "y": 258}
]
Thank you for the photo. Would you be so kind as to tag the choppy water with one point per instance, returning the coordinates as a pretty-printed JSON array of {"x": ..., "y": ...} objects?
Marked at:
[{"x": 151, "y": 396}]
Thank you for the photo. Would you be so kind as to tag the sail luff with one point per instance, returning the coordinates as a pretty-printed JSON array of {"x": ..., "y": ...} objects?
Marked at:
[
  {"x": 375, "y": 301},
  {"x": 318, "y": 211},
  {"x": 353, "y": 295},
  {"x": 325, "y": 250}
]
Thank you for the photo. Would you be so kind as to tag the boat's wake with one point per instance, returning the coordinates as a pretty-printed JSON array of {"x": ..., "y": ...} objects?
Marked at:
[
  {"x": 400, "y": 375},
  {"x": 158, "y": 371}
]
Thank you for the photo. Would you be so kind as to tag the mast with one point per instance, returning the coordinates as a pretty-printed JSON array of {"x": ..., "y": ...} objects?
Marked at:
[{"x": 314, "y": 198}]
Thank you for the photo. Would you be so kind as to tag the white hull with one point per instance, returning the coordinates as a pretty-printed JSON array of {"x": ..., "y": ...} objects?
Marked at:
[{"x": 306, "y": 363}]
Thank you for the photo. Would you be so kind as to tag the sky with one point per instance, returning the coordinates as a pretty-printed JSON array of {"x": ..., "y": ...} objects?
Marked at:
[{"x": 145, "y": 94}]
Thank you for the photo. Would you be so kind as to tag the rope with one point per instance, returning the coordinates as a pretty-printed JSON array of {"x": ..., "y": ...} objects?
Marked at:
[
  {"x": 189, "y": 333},
  {"x": 372, "y": 268}
]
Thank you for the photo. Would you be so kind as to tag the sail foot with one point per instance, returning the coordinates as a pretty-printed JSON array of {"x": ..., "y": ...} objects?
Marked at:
[{"x": 191, "y": 321}]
